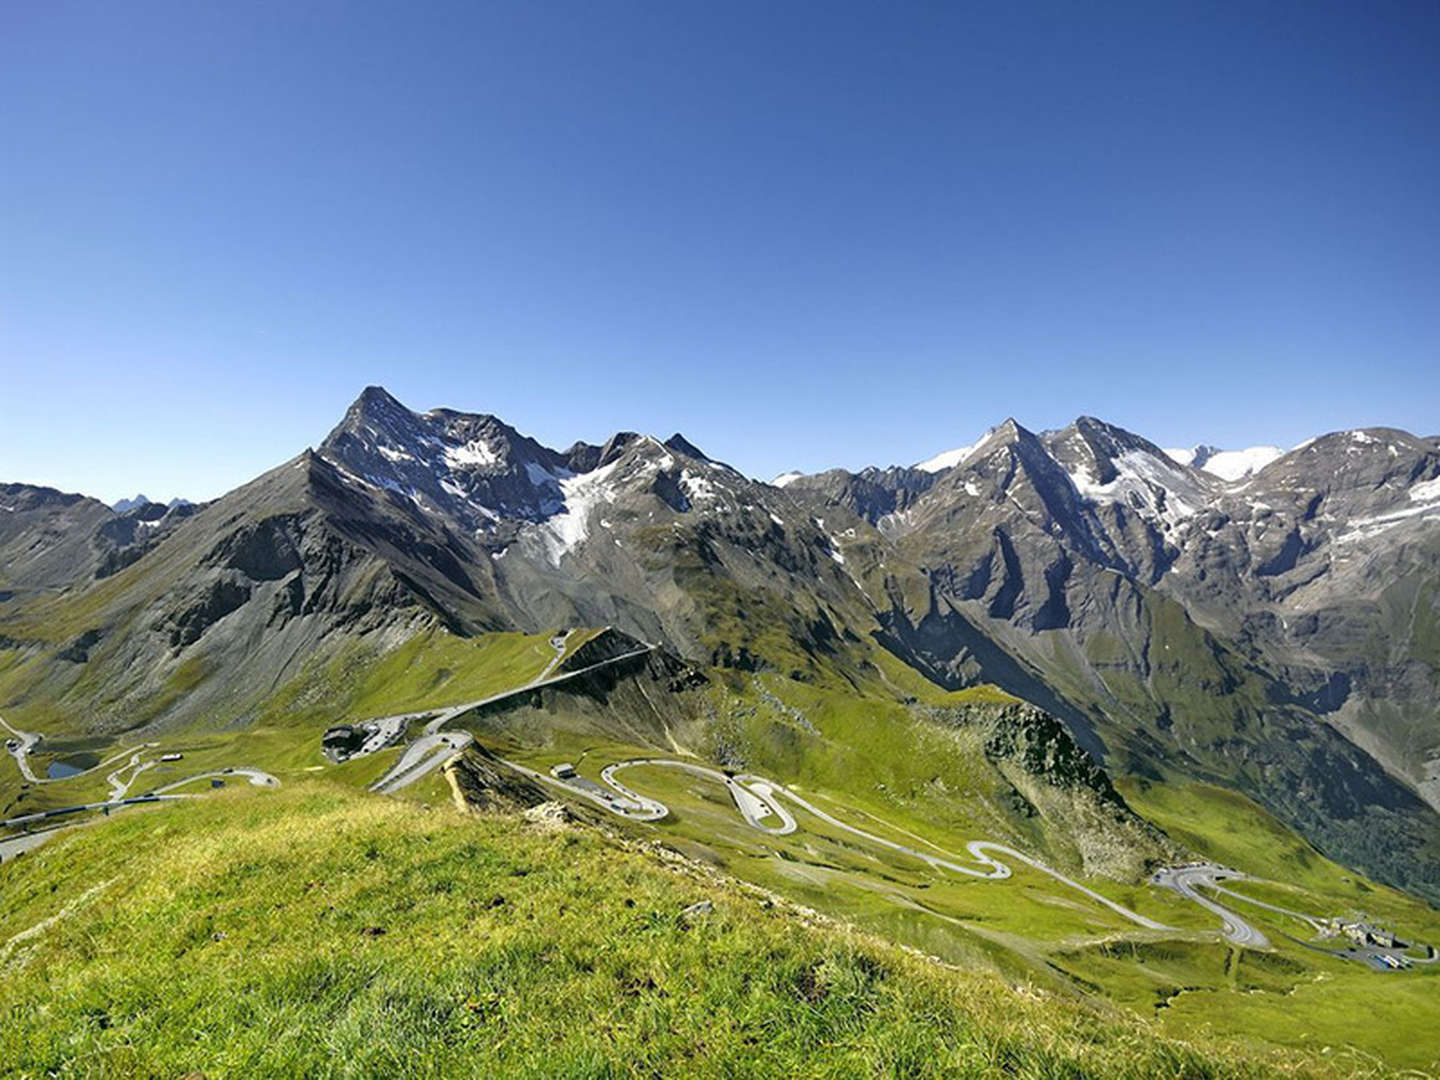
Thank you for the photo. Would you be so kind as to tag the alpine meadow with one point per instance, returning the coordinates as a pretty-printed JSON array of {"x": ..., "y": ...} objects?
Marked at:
[{"x": 465, "y": 731}]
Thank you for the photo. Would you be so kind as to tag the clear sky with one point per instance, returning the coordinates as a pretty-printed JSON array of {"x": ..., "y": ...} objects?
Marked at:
[{"x": 804, "y": 234}]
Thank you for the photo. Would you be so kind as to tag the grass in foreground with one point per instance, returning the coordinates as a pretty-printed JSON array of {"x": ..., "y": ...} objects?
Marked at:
[{"x": 317, "y": 931}]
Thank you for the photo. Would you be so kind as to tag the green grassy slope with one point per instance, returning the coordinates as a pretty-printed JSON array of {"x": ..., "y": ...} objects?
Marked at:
[
  {"x": 315, "y": 931},
  {"x": 357, "y": 682},
  {"x": 1291, "y": 995},
  {"x": 913, "y": 773}
]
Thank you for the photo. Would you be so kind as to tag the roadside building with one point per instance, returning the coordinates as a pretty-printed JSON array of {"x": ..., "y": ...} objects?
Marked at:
[{"x": 342, "y": 740}]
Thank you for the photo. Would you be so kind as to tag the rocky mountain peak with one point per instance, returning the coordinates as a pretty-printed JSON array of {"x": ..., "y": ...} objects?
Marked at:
[
  {"x": 682, "y": 445},
  {"x": 470, "y": 467},
  {"x": 616, "y": 445},
  {"x": 1106, "y": 442},
  {"x": 1108, "y": 465},
  {"x": 1001, "y": 434},
  {"x": 1022, "y": 444}
]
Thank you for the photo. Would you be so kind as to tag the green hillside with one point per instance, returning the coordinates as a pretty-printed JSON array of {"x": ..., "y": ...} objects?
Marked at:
[
  {"x": 314, "y": 931},
  {"x": 931, "y": 773}
]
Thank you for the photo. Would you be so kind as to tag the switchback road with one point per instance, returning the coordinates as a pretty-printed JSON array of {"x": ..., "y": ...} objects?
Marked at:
[
  {"x": 757, "y": 800},
  {"x": 1187, "y": 881}
]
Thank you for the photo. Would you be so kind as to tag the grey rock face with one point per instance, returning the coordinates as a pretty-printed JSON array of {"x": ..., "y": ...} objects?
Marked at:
[
  {"x": 872, "y": 493},
  {"x": 471, "y": 468},
  {"x": 1280, "y": 634},
  {"x": 1277, "y": 632}
]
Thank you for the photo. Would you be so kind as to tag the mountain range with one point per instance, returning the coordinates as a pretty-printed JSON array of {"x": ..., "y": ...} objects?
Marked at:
[{"x": 1265, "y": 621}]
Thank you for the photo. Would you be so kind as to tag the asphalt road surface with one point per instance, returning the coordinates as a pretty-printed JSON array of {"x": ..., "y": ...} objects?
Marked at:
[
  {"x": 1315, "y": 924},
  {"x": 422, "y": 757},
  {"x": 30, "y": 838},
  {"x": 757, "y": 800},
  {"x": 1188, "y": 880},
  {"x": 28, "y": 740},
  {"x": 545, "y": 678},
  {"x": 257, "y": 778},
  {"x": 434, "y": 749}
]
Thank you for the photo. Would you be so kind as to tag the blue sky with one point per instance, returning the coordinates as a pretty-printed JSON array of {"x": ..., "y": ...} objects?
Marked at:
[{"x": 804, "y": 234}]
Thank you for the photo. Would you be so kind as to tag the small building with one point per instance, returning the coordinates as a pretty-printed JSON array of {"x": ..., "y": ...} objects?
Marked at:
[
  {"x": 216, "y": 782},
  {"x": 563, "y": 771},
  {"x": 171, "y": 757},
  {"x": 342, "y": 740}
]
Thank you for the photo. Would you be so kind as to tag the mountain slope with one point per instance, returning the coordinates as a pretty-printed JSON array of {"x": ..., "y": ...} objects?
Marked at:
[
  {"x": 1277, "y": 635},
  {"x": 314, "y": 925},
  {"x": 1228, "y": 465}
]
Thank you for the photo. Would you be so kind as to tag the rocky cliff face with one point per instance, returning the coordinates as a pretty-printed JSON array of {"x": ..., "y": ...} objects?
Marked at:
[
  {"x": 51, "y": 540},
  {"x": 1279, "y": 632},
  {"x": 1275, "y": 632},
  {"x": 1053, "y": 778}
]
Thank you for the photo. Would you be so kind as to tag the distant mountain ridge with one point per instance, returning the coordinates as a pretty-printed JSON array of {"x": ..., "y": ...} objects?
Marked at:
[
  {"x": 122, "y": 506},
  {"x": 1279, "y": 634},
  {"x": 1229, "y": 465}
]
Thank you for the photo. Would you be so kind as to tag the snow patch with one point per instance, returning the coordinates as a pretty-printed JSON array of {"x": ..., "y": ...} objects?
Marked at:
[
  {"x": 950, "y": 458},
  {"x": 1229, "y": 465},
  {"x": 1426, "y": 496},
  {"x": 475, "y": 452},
  {"x": 566, "y": 530},
  {"x": 697, "y": 487},
  {"x": 1233, "y": 465},
  {"x": 1367, "y": 528},
  {"x": 1426, "y": 491},
  {"x": 1145, "y": 483},
  {"x": 664, "y": 461},
  {"x": 786, "y": 478},
  {"x": 542, "y": 477}
]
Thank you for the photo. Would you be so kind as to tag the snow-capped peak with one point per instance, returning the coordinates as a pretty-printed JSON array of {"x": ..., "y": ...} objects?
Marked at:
[
  {"x": 948, "y": 459},
  {"x": 786, "y": 478},
  {"x": 1229, "y": 465}
]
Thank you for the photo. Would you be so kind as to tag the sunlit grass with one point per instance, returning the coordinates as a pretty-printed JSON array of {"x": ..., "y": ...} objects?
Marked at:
[{"x": 315, "y": 931}]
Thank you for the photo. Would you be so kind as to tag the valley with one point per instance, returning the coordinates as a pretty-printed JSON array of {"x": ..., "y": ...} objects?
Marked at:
[
  {"x": 867, "y": 858},
  {"x": 1060, "y": 709}
]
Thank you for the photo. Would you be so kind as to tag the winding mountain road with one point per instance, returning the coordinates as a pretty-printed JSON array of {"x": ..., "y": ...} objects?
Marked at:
[
  {"x": 257, "y": 778},
  {"x": 1315, "y": 924},
  {"x": 28, "y": 740},
  {"x": 422, "y": 757},
  {"x": 120, "y": 784},
  {"x": 433, "y": 749},
  {"x": 13, "y": 845},
  {"x": 1187, "y": 881},
  {"x": 757, "y": 799},
  {"x": 20, "y": 750}
]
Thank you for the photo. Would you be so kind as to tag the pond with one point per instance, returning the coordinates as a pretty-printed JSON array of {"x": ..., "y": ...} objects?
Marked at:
[{"x": 73, "y": 765}]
